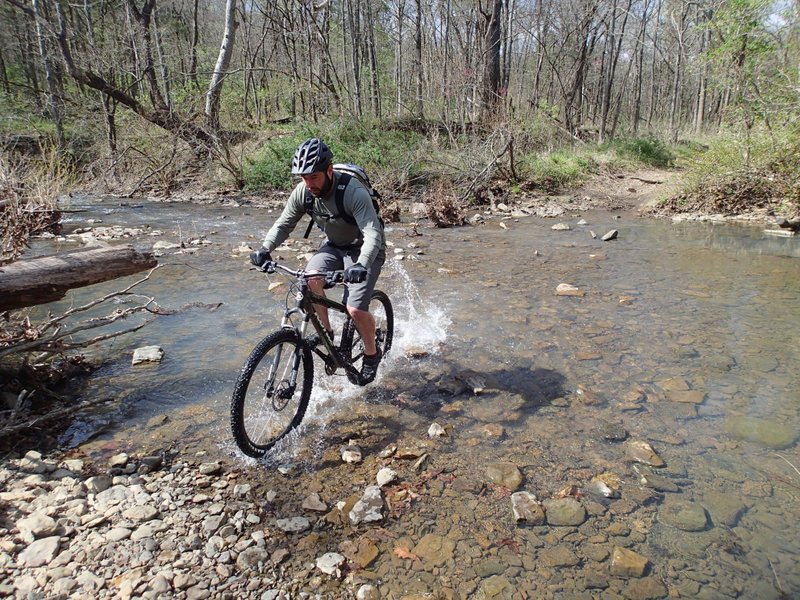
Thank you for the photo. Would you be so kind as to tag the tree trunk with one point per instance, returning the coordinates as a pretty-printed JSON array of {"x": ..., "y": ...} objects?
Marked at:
[
  {"x": 53, "y": 102},
  {"x": 375, "y": 90},
  {"x": 4, "y": 74},
  {"x": 193, "y": 52},
  {"x": 491, "y": 56},
  {"x": 418, "y": 107},
  {"x": 223, "y": 61},
  {"x": 398, "y": 59},
  {"x": 48, "y": 278}
]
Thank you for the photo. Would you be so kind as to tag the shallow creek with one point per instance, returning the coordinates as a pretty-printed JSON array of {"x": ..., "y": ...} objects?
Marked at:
[{"x": 685, "y": 337}]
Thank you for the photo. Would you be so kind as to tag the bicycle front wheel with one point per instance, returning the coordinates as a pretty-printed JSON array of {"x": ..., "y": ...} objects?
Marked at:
[
  {"x": 272, "y": 392},
  {"x": 380, "y": 307}
]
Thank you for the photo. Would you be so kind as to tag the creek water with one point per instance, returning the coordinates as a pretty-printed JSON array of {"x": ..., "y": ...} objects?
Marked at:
[{"x": 686, "y": 336}]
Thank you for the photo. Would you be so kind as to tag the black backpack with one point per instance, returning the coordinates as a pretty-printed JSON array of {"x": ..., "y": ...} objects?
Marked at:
[{"x": 346, "y": 173}]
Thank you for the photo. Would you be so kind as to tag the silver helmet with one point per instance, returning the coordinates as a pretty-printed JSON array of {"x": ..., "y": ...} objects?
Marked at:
[{"x": 311, "y": 156}]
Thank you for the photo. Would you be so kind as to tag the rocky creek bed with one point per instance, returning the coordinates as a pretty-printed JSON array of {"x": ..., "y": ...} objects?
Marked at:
[{"x": 406, "y": 521}]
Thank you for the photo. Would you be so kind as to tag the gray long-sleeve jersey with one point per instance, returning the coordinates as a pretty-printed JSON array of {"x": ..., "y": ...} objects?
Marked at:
[{"x": 367, "y": 230}]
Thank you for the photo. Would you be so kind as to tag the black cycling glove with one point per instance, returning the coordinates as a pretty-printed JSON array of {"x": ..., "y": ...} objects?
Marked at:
[
  {"x": 355, "y": 274},
  {"x": 260, "y": 257}
]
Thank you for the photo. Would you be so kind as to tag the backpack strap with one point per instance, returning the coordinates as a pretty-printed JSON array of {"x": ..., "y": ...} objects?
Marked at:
[
  {"x": 308, "y": 203},
  {"x": 344, "y": 179},
  {"x": 308, "y": 208}
]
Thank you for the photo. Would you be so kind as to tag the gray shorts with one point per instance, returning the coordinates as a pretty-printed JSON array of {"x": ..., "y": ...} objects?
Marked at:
[{"x": 331, "y": 258}]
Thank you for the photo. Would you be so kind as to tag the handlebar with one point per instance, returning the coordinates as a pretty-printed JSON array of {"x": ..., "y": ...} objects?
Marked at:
[{"x": 331, "y": 277}]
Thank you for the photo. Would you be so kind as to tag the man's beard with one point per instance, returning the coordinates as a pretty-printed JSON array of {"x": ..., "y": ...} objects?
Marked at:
[{"x": 327, "y": 187}]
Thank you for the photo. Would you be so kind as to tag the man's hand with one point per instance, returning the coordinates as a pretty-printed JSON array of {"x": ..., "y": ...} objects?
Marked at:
[
  {"x": 260, "y": 257},
  {"x": 355, "y": 274}
]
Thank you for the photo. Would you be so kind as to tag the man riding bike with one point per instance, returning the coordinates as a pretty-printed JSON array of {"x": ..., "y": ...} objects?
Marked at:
[{"x": 354, "y": 241}]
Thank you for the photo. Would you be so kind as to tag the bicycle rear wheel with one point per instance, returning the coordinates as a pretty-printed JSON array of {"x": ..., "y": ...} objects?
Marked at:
[
  {"x": 272, "y": 392},
  {"x": 381, "y": 309}
]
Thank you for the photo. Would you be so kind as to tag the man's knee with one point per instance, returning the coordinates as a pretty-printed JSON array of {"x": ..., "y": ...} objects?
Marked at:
[{"x": 356, "y": 313}]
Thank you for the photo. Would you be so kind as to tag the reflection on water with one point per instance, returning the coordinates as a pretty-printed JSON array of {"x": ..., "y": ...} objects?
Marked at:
[{"x": 685, "y": 336}]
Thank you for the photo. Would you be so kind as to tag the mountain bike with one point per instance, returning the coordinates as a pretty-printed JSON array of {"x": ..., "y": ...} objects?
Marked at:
[{"x": 274, "y": 386}]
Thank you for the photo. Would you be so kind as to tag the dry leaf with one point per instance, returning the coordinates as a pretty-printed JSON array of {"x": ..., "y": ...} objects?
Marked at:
[{"x": 403, "y": 552}]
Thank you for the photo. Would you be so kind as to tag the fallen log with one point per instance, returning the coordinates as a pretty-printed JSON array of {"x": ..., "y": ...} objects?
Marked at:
[{"x": 48, "y": 278}]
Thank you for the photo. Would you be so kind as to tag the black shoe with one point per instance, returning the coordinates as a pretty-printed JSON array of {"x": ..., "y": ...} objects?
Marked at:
[
  {"x": 369, "y": 367},
  {"x": 314, "y": 340}
]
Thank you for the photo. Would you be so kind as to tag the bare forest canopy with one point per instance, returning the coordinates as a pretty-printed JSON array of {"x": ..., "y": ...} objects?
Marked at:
[{"x": 208, "y": 72}]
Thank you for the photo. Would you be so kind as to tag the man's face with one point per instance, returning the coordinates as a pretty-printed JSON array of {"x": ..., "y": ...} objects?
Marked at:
[{"x": 319, "y": 183}]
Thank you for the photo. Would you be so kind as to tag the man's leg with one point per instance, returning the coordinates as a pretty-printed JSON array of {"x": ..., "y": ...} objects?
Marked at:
[
  {"x": 365, "y": 325},
  {"x": 327, "y": 258},
  {"x": 358, "y": 298}
]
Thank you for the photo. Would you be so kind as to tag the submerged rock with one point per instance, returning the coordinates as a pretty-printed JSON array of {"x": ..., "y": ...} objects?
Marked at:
[
  {"x": 369, "y": 508},
  {"x": 565, "y": 289},
  {"x": 627, "y": 563},
  {"x": 772, "y": 434},
  {"x": 686, "y": 516},
  {"x": 434, "y": 550},
  {"x": 505, "y": 474},
  {"x": 527, "y": 508},
  {"x": 642, "y": 452},
  {"x": 564, "y": 512},
  {"x": 656, "y": 482},
  {"x": 148, "y": 354}
]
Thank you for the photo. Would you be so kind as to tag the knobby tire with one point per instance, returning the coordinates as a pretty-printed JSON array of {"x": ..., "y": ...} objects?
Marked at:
[
  {"x": 381, "y": 308},
  {"x": 261, "y": 416}
]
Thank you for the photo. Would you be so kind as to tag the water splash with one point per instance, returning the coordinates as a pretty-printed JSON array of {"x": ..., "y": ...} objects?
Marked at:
[{"x": 418, "y": 323}]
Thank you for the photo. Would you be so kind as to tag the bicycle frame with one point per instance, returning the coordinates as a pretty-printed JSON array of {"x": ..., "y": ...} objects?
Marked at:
[{"x": 306, "y": 299}]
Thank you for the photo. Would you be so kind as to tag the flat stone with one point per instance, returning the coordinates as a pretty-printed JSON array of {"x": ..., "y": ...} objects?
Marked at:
[
  {"x": 564, "y": 512},
  {"x": 39, "y": 553},
  {"x": 211, "y": 468},
  {"x": 686, "y": 396},
  {"x": 686, "y": 516},
  {"x": 434, "y": 550},
  {"x": 627, "y": 563},
  {"x": 38, "y": 525},
  {"x": 641, "y": 451},
  {"x": 565, "y": 289},
  {"x": 526, "y": 508},
  {"x": 363, "y": 553},
  {"x": 505, "y": 474},
  {"x": 386, "y": 476},
  {"x": 118, "y": 460},
  {"x": 765, "y": 432},
  {"x": 293, "y": 525},
  {"x": 118, "y": 534},
  {"x": 147, "y": 354},
  {"x": 97, "y": 484},
  {"x": 489, "y": 567},
  {"x": 559, "y": 556},
  {"x": 252, "y": 559},
  {"x": 314, "y": 503},
  {"x": 725, "y": 509},
  {"x": 141, "y": 514},
  {"x": 647, "y": 588},
  {"x": 147, "y": 530},
  {"x": 369, "y": 508},
  {"x": 330, "y": 563}
]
